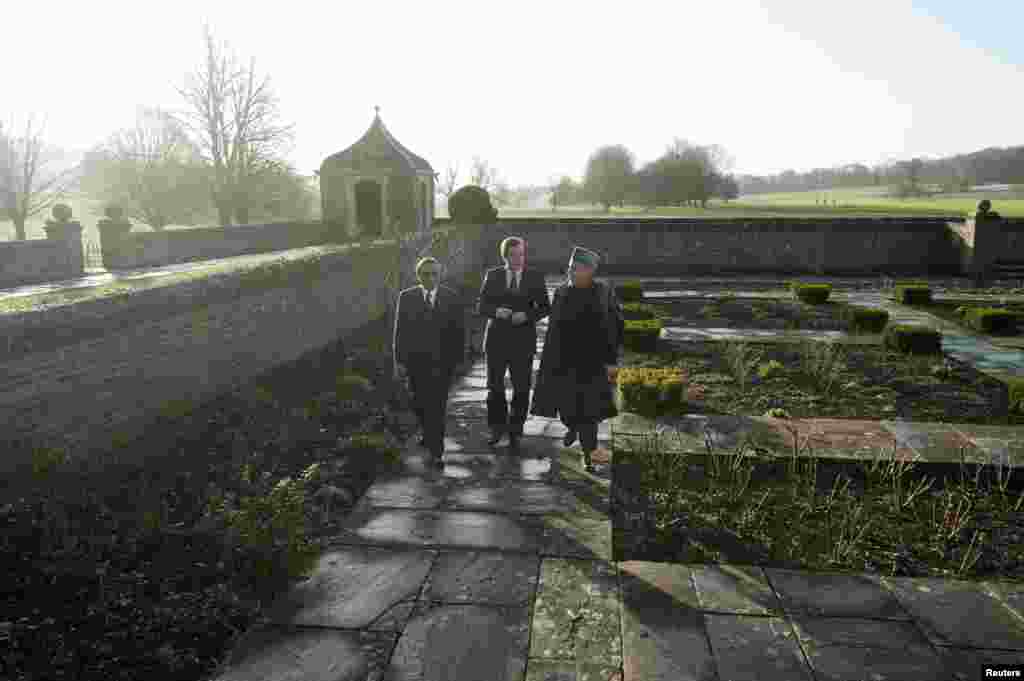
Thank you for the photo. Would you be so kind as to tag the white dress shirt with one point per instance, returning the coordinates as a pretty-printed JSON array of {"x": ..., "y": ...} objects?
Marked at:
[
  {"x": 511, "y": 276},
  {"x": 431, "y": 295}
]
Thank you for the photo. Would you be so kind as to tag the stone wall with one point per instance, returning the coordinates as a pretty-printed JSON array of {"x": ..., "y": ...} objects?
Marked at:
[
  {"x": 151, "y": 249},
  {"x": 110, "y": 367},
  {"x": 698, "y": 246},
  {"x": 35, "y": 261}
]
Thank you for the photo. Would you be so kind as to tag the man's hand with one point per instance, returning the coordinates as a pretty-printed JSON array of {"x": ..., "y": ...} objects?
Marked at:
[
  {"x": 503, "y": 313},
  {"x": 612, "y": 372},
  {"x": 518, "y": 317}
]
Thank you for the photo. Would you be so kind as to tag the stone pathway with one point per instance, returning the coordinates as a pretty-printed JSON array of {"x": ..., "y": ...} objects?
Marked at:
[{"x": 500, "y": 567}]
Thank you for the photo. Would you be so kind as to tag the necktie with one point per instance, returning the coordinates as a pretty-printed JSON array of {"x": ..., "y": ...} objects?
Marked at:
[
  {"x": 515, "y": 281},
  {"x": 426, "y": 298}
]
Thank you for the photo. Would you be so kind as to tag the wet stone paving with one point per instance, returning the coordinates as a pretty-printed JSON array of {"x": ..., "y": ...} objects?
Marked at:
[{"x": 499, "y": 566}]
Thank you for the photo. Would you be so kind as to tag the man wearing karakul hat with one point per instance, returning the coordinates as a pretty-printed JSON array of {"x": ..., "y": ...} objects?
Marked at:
[{"x": 581, "y": 354}]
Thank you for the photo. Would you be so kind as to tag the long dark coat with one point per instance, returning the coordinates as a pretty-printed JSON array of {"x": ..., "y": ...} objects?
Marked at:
[{"x": 552, "y": 390}]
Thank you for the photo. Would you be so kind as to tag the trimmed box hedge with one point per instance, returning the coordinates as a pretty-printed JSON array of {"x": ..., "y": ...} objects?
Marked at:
[
  {"x": 641, "y": 335},
  {"x": 1015, "y": 384},
  {"x": 815, "y": 294},
  {"x": 913, "y": 294},
  {"x": 918, "y": 340},
  {"x": 630, "y": 292},
  {"x": 648, "y": 391},
  {"x": 991, "y": 320},
  {"x": 867, "y": 319},
  {"x": 640, "y": 311}
]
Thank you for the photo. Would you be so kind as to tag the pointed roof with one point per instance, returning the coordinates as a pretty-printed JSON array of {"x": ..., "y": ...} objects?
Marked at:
[{"x": 378, "y": 148}]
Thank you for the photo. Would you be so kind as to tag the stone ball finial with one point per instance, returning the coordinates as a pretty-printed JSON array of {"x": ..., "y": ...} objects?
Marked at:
[
  {"x": 114, "y": 212},
  {"x": 984, "y": 206},
  {"x": 61, "y": 212}
]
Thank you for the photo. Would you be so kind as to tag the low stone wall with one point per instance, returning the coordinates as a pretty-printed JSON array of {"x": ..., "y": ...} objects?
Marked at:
[
  {"x": 116, "y": 365},
  {"x": 667, "y": 247},
  {"x": 35, "y": 261},
  {"x": 151, "y": 249}
]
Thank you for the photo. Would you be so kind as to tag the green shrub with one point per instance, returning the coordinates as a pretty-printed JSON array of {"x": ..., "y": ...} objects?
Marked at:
[
  {"x": 352, "y": 387},
  {"x": 646, "y": 390},
  {"x": 471, "y": 205},
  {"x": 1015, "y": 385},
  {"x": 867, "y": 319},
  {"x": 991, "y": 320},
  {"x": 630, "y": 292},
  {"x": 641, "y": 335},
  {"x": 772, "y": 368},
  {"x": 919, "y": 340},
  {"x": 962, "y": 310},
  {"x": 815, "y": 294},
  {"x": 913, "y": 294},
  {"x": 640, "y": 311}
]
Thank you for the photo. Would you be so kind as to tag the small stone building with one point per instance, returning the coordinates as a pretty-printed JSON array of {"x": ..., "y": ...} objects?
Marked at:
[{"x": 376, "y": 186}]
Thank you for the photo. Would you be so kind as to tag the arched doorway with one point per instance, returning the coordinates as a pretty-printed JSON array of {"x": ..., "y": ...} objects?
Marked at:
[{"x": 369, "y": 210}]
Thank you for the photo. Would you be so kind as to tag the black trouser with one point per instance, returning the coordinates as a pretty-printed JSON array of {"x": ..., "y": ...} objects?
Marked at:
[
  {"x": 520, "y": 366},
  {"x": 429, "y": 387},
  {"x": 587, "y": 431}
]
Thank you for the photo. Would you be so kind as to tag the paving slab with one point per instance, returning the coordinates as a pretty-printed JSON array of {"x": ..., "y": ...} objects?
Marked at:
[
  {"x": 567, "y": 670},
  {"x": 834, "y": 595},
  {"x": 573, "y": 536},
  {"x": 523, "y": 497},
  {"x": 964, "y": 664},
  {"x": 409, "y": 527},
  {"x": 576, "y": 614},
  {"x": 463, "y": 466},
  {"x": 756, "y": 649},
  {"x": 464, "y": 435},
  {"x": 356, "y": 588},
  {"x": 483, "y": 578},
  {"x": 405, "y": 491},
  {"x": 843, "y": 663},
  {"x": 995, "y": 443},
  {"x": 663, "y": 632},
  {"x": 278, "y": 654},
  {"x": 852, "y": 439},
  {"x": 737, "y": 589},
  {"x": 445, "y": 642},
  {"x": 958, "y": 613},
  {"x": 545, "y": 427}
]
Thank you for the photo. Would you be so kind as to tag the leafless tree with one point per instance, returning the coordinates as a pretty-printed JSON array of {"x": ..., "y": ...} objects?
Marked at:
[
  {"x": 27, "y": 187},
  {"x": 447, "y": 185},
  {"x": 152, "y": 170},
  {"x": 482, "y": 174},
  {"x": 235, "y": 119}
]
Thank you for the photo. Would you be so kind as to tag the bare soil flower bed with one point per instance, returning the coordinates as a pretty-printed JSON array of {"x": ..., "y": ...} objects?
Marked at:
[
  {"x": 816, "y": 380},
  {"x": 120, "y": 574}
]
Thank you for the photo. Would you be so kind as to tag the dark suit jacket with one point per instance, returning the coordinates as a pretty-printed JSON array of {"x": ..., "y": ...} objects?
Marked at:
[
  {"x": 501, "y": 334},
  {"x": 425, "y": 337}
]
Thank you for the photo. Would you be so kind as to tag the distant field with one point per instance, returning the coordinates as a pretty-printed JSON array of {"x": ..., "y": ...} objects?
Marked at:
[{"x": 851, "y": 202}]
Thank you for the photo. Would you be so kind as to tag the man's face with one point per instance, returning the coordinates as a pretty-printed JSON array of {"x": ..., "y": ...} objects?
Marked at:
[
  {"x": 516, "y": 256},
  {"x": 428, "y": 275},
  {"x": 582, "y": 274}
]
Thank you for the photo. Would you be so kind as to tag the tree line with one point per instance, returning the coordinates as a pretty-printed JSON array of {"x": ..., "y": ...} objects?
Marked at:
[
  {"x": 222, "y": 156},
  {"x": 914, "y": 176}
]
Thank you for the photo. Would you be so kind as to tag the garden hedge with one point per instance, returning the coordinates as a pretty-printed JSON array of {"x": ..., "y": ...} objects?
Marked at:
[
  {"x": 913, "y": 294},
  {"x": 919, "y": 340},
  {"x": 815, "y": 294},
  {"x": 991, "y": 320},
  {"x": 641, "y": 335},
  {"x": 630, "y": 292},
  {"x": 869, "y": 319},
  {"x": 639, "y": 311},
  {"x": 646, "y": 391},
  {"x": 1016, "y": 390}
]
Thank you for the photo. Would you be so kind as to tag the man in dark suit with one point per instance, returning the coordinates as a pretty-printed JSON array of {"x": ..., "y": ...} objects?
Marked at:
[
  {"x": 513, "y": 299},
  {"x": 429, "y": 343}
]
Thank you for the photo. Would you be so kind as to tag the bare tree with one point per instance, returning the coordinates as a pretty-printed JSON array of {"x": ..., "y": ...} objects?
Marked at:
[
  {"x": 482, "y": 174},
  {"x": 26, "y": 187},
  {"x": 236, "y": 122},
  {"x": 447, "y": 185},
  {"x": 152, "y": 170}
]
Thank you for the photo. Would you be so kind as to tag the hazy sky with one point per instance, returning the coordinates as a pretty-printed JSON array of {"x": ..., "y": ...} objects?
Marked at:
[{"x": 535, "y": 87}]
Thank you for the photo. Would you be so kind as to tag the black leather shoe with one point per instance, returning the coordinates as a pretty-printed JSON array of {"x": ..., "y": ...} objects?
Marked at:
[
  {"x": 513, "y": 440},
  {"x": 437, "y": 458},
  {"x": 423, "y": 441},
  {"x": 569, "y": 438},
  {"x": 495, "y": 438}
]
